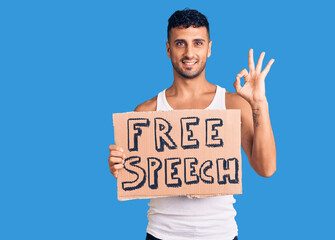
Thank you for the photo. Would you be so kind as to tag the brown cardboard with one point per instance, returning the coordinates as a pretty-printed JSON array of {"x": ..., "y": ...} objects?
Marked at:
[{"x": 174, "y": 153}]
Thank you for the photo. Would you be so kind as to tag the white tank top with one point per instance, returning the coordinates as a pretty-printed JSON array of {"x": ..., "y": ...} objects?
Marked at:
[{"x": 181, "y": 218}]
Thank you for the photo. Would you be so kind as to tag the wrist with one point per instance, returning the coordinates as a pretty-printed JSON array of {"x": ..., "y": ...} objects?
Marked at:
[{"x": 259, "y": 105}]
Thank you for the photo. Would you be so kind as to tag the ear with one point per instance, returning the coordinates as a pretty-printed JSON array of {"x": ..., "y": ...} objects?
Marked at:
[
  {"x": 168, "y": 48},
  {"x": 209, "y": 49}
]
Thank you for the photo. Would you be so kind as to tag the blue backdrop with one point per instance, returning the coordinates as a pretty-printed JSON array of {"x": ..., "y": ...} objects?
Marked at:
[{"x": 67, "y": 66}]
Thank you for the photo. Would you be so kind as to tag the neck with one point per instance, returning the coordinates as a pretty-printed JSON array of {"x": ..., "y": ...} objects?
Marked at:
[{"x": 186, "y": 87}]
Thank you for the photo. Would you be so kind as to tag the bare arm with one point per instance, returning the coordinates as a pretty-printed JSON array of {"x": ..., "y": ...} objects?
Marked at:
[{"x": 257, "y": 135}]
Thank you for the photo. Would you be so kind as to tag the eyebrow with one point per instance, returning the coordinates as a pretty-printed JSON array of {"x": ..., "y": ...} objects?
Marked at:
[
  {"x": 194, "y": 40},
  {"x": 199, "y": 40}
]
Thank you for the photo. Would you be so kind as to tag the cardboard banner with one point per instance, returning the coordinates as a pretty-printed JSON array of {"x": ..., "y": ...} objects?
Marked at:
[{"x": 180, "y": 152}]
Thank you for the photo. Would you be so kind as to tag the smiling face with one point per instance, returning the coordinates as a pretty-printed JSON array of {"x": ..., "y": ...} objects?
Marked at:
[{"x": 189, "y": 49}]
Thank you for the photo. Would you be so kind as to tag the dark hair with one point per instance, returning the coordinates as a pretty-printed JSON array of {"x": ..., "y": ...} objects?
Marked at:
[{"x": 187, "y": 18}]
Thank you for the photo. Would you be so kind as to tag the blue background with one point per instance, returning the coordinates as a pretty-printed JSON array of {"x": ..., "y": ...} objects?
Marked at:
[{"x": 67, "y": 66}]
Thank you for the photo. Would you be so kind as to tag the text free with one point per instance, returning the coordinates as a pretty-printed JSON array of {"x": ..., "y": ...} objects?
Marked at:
[{"x": 162, "y": 129}]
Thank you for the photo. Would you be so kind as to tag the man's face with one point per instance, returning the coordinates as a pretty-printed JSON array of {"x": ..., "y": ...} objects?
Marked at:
[{"x": 189, "y": 49}]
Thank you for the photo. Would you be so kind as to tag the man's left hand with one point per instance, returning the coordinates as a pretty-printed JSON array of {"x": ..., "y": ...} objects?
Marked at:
[{"x": 253, "y": 89}]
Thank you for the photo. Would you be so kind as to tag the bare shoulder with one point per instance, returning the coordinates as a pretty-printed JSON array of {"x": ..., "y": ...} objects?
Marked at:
[
  {"x": 149, "y": 105},
  {"x": 235, "y": 101}
]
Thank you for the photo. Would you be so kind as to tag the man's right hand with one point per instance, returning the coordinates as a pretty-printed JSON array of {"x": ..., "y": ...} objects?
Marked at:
[{"x": 116, "y": 159}]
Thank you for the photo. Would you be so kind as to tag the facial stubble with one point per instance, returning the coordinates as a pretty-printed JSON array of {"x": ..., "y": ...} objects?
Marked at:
[{"x": 182, "y": 73}]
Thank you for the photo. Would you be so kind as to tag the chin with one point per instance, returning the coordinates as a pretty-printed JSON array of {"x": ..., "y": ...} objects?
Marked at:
[
  {"x": 188, "y": 73},
  {"x": 190, "y": 76}
]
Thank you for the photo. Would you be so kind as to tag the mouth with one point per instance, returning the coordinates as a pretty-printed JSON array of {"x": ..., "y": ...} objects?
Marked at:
[{"x": 189, "y": 63}]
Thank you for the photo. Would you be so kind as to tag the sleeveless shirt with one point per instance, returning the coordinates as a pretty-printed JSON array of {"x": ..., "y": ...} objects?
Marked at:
[{"x": 180, "y": 217}]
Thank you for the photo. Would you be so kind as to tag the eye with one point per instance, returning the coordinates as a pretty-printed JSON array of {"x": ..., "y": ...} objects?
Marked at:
[
  {"x": 179, "y": 43},
  {"x": 198, "y": 43}
]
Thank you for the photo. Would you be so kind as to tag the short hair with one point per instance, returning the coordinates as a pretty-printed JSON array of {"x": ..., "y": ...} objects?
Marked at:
[{"x": 186, "y": 18}]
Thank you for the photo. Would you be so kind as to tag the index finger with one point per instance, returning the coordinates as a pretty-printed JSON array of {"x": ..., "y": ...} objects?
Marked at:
[{"x": 251, "y": 60}]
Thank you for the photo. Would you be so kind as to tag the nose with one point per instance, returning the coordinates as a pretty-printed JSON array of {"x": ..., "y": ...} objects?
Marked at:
[{"x": 189, "y": 52}]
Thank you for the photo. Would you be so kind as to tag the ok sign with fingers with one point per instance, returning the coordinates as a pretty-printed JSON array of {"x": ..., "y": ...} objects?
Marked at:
[{"x": 253, "y": 89}]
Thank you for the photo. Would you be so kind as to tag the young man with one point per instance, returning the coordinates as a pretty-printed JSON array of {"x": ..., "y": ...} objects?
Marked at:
[{"x": 189, "y": 46}]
